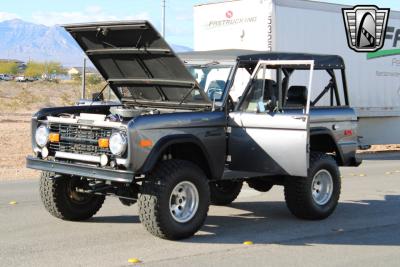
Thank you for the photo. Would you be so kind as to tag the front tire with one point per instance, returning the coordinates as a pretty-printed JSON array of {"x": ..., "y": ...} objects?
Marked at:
[
  {"x": 224, "y": 192},
  {"x": 174, "y": 200},
  {"x": 314, "y": 197},
  {"x": 61, "y": 200}
]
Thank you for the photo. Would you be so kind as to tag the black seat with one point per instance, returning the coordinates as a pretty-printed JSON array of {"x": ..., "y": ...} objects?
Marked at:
[
  {"x": 296, "y": 96},
  {"x": 216, "y": 84},
  {"x": 271, "y": 89}
]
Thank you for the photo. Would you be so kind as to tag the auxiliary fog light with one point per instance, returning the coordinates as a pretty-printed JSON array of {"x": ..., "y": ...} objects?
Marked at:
[
  {"x": 44, "y": 152},
  {"x": 103, "y": 160}
]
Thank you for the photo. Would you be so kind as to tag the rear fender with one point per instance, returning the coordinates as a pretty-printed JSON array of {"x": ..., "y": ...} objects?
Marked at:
[{"x": 329, "y": 144}]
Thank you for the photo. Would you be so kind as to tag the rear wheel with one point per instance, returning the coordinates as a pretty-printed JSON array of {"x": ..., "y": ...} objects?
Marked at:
[
  {"x": 174, "y": 200},
  {"x": 224, "y": 192},
  {"x": 314, "y": 197},
  {"x": 60, "y": 198}
]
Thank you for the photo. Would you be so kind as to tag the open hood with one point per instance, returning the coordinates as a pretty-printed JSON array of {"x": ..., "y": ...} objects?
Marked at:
[{"x": 137, "y": 62}]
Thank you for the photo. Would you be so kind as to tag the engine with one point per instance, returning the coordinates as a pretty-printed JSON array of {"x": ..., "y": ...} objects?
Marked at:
[{"x": 121, "y": 113}]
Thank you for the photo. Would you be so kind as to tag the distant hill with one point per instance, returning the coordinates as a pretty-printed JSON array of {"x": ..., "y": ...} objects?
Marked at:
[{"x": 24, "y": 40}]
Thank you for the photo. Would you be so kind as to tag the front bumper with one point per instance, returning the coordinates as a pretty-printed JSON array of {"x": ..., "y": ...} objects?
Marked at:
[{"x": 79, "y": 170}]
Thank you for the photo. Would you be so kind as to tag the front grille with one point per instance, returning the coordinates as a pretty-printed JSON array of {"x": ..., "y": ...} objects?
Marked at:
[{"x": 80, "y": 139}]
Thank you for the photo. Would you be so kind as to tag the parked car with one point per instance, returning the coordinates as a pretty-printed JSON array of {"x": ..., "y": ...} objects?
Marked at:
[
  {"x": 23, "y": 78},
  {"x": 32, "y": 79},
  {"x": 173, "y": 150},
  {"x": 20, "y": 78},
  {"x": 5, "y": 77}
]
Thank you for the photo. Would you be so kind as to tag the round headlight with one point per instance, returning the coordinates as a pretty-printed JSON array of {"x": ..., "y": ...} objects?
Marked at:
[
  {"x": 42, "y": 135},
  {"x": 118, "y": 143}
]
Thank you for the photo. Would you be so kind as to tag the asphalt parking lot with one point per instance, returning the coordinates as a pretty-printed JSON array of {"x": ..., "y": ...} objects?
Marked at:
[{"x": 364, "y": 230}]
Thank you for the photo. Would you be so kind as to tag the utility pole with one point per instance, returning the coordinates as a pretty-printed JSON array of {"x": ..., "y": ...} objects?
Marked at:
[
  {"x": 84, "y": 78},
  {"x": 163, "y": 17}
]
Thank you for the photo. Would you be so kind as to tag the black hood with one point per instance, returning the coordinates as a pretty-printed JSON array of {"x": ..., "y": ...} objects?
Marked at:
[{"x": 133, "y": 55}]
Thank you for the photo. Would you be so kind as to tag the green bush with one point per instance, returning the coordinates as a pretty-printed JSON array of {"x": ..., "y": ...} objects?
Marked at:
[
  {"x": 8, "y": 67},
  {"x": 47, "y": 68},
  {"x": 93, "y": 79}
]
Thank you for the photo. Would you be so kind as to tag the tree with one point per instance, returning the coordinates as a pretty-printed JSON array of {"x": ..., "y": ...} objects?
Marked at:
[
  {"x": 8, "y": 67},
  {"x": 48, "y": 68},
  {"x": 93, "y": 79},
  {"x": 53, "y": 67},
  {"x": 34, "y": 69}
]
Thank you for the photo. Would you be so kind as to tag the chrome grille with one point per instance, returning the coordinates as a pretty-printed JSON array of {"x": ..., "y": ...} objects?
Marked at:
[{"x": 79, "y": 139}]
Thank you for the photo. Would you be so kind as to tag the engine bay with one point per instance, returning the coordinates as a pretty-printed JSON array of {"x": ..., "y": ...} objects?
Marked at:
[
  {"x": 122, "y": 113},
  {"x": 113, "y": 116}
]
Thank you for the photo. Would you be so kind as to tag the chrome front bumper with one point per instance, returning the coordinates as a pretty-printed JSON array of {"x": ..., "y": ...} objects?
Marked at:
[{"x": 80, "y": 170}]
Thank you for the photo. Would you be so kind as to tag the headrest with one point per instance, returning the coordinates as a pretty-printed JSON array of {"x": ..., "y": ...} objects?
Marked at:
[
  {"x": 271, "y": 87},
  {"x": 269, "y": 82},
  {"x": 217, "y": 84}
]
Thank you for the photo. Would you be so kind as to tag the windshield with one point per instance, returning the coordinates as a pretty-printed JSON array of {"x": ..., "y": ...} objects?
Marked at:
[{"x": 211, "y": 78}]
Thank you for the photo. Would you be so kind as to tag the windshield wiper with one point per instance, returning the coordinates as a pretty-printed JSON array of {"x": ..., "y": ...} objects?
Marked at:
[{"x": 212, "y": 63}]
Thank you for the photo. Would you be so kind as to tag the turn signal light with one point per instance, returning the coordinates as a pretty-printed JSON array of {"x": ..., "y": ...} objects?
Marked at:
[
  {"x": 348, "y": 132},
  {"x": 145, "y": 143},
  {"x": 103, "y": 142},
  {"x": 54, "y": 137}
]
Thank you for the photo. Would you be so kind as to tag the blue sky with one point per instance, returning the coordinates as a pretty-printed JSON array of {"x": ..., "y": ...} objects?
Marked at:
[{"x": 179, "y": 13}]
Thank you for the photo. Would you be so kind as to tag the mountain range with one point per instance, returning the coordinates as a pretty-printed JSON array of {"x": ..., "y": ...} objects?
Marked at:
[{"x": 26, "y": 41}]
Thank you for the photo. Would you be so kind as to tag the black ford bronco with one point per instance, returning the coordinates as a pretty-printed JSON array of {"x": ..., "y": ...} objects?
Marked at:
[{"x": 189, "y": 130}]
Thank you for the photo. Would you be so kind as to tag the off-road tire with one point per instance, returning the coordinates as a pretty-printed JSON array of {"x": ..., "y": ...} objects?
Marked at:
[
  {"x": 54, "y": 195},
  {"x": 153, "y": 202},
  {"x": 224, "y": 192},
  {"x": 298, "y": 190}
]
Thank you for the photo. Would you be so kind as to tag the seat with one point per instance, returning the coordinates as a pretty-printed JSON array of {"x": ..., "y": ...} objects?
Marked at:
[
  {"x": 270, "y": 90},
  {"x": 296, "y": 96}
]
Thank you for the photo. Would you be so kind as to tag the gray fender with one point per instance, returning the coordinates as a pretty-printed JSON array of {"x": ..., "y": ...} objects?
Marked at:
[
  {"x": 324, "y": 131},
  {"x": 167, "y": 141}
]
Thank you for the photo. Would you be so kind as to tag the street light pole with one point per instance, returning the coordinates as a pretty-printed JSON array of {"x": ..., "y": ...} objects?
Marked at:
[
  {"x": 163, "y": 17},
  {"x": 84, "y": 78}
]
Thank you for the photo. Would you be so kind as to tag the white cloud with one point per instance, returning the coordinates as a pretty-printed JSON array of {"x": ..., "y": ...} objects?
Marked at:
[
  {"x": 7, "y": 16},
  {"x": 139, "y": 16},
  {"x": 90, "y": 14},
  {"x": 94, "y": 9}
]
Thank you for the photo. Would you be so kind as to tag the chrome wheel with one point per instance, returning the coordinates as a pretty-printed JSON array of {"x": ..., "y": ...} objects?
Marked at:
[
  {"x": 184, "y": 201},
  {"x": 322, "y": 187}
]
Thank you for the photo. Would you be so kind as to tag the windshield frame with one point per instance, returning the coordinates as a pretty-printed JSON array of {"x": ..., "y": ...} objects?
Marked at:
[{"x": 232, "y": 64}]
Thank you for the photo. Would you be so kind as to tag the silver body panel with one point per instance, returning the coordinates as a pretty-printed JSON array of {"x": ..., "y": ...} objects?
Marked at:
[
  {"x": 271, "y": 144},
  {"x": 274, "y": 143}
]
